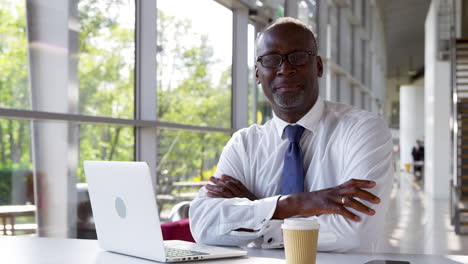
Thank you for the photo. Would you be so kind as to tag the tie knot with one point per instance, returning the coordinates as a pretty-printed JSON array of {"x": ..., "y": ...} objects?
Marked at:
[{"x": 294, "y": 133}]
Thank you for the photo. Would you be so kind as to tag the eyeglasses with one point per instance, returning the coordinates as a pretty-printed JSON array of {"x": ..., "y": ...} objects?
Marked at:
[{"x": 296, "y": 58}]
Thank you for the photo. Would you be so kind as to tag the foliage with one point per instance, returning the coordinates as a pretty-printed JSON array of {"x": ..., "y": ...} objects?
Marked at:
[
  {"x": 106, "y": 80},
  {"x": 23, "y": 178},
  {"x": 186, "y": 94},
  {"x": 5, "y": 187},
  {"x": 14, "y": 93},
  {"x": 13, "y": 56},
  {"x": 187, "y": 91},
  {"x": 106, "y": 60}
]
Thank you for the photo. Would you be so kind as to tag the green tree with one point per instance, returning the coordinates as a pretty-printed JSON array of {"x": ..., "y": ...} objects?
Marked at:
[
  {"x": 14, "y": 93},
  {"x": 106, "y": 79},
  {"x": 106, "y": 82},
  {"x": 187, "y": 94}
]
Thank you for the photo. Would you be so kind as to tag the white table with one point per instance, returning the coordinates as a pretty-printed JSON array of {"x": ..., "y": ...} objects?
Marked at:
[{"x": 29, "y": 250}]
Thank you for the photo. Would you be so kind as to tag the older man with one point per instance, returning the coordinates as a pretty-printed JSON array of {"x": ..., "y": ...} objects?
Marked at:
[{"x": 315, "y": 158}]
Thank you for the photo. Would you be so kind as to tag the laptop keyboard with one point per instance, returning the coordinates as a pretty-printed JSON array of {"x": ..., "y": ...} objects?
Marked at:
[{"x": 176, "y": 252}]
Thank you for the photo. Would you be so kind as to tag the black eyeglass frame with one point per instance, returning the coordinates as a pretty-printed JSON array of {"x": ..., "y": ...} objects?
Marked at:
[{"x": 285, "y": 56}]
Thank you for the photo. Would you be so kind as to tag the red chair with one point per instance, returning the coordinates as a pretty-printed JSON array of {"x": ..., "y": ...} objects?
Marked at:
[{"x": 178, "y": 230}]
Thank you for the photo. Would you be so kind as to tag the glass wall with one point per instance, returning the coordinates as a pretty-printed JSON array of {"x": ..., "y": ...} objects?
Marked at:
[
  {"x": 307, "y": 13},
  {"x": 194, "y": 63},
  {"x": 106, "y": 58},
  {"x": 16, "y": 176},
  {"x": 186, "y": 160},
  {"x": 104, "y": 142},
  {"x": 13, "y": 55}
]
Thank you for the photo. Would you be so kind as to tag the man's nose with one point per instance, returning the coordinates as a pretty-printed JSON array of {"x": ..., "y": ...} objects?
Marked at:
[{"x": 286, "y": 68}]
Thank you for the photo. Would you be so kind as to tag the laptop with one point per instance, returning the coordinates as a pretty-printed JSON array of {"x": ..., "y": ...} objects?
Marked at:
[{"x": 126, "y": 215}]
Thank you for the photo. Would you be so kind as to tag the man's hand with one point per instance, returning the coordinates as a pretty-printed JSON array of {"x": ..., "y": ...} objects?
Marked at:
[
  {"x": 329, "y": 201},
  {"x": 228, "y": 187}
]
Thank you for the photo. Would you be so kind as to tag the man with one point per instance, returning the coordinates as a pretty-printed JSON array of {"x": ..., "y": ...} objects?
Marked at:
[
  {"x": 306, "y": 161},
  {"x": 418, "y": 159}
]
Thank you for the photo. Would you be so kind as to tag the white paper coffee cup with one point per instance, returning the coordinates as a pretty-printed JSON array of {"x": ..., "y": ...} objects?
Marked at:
[{"x": 300, "y": 236}]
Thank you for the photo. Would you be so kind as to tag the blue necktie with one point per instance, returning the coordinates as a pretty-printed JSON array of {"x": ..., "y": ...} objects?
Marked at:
[{"x": 293, "y": 168}]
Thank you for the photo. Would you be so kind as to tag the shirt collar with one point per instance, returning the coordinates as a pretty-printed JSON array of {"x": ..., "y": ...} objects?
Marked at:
[{"x": 309, "y": 121}]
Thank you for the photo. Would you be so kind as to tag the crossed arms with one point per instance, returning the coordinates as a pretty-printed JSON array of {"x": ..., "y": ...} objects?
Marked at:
[
  {"x": 237, "y": 209},
  {"x": 333, "y": 200}
]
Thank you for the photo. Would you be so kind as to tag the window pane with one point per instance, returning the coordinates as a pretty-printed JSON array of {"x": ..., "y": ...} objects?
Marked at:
[
  {"x": 99, "y": 142},
  {"x": 16, "y": 177},
  {"x": 194, "y": 62},
  {"x": 307, "y": 14},
  {"x": 264, "y": 111},
  {"x": 14, "y": 89},
  {"x": 275, "y": 9},
  {"x": 185, "y": 161},
  {"x": 106, "y": 57}
]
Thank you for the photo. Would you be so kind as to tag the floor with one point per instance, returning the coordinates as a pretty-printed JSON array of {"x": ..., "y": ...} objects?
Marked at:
[{"x": 420, "y": 225}]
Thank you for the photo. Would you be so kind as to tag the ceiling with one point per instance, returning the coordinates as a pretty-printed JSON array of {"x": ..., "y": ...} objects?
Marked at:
[{"x": 404, "y": 35}]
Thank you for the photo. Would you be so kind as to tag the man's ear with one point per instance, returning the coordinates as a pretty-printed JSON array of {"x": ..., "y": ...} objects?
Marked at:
[
  {"x": 319, "y": 66},
  {"x": 256, "y": 75}
]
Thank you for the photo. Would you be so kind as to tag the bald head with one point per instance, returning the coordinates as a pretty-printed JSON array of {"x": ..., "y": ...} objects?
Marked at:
[
  {"x": 290, "y": 26},
  {"x": 290, "y": 85}
]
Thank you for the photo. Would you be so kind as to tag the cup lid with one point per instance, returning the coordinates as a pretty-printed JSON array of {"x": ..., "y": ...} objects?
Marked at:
[{"x": 300, "y": 223}]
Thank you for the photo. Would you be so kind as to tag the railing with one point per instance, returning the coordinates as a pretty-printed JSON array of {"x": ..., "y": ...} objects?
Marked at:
[
  {"x": 458, "y": 208},
  {"x": 177, "y": 192},
  {"x": 10, "y": 212}
]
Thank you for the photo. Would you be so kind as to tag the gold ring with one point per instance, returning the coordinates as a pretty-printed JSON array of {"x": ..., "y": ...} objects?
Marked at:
[{"x": 343, "y": 199}]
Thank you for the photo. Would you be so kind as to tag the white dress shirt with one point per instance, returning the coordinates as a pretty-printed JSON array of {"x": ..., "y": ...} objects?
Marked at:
[{"x": 340, "y": 142}]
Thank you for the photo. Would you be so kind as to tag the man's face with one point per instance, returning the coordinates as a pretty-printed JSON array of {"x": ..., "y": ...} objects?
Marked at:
[{"x": 289, "y": 88}]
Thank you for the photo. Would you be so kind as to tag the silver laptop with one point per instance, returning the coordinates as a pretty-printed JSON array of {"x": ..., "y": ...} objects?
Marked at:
[{"x": 126, "y": 215}]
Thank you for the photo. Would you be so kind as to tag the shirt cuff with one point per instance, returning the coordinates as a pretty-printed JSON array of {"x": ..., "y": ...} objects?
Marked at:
[{"x": 263, "y": 212}]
